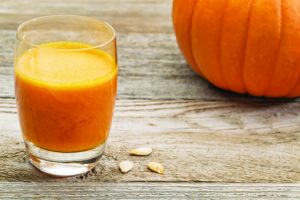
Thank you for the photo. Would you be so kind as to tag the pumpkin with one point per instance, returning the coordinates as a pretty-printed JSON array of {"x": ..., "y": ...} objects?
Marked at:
[{"x": 246, "y": 46}]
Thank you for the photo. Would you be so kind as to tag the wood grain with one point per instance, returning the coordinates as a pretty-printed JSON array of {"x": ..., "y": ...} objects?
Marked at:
[
  {"x": 158, "y": 72},
  {"x": 194, "y": 140},
  {"x": 143, "y": 16},
  {"x": 200, "y": 133},
  {"x": 15, "y": 190}
]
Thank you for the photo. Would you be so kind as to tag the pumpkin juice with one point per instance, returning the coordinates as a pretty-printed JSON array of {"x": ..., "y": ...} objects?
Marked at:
[{"x": 65, "y": 93}]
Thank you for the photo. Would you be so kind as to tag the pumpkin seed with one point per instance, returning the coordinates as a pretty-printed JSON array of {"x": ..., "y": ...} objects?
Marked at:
[
  {"x": 125, "y": 166},
  {"x": 156, "y": 167},
  {"x": 142, "y": 151}
]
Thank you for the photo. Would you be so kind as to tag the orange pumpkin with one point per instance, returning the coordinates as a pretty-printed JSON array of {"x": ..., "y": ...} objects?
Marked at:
[{"x": 246, "y": 46}]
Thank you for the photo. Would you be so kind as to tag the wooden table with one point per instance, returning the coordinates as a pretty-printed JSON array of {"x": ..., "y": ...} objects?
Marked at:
[{"x": 213, "y": 144}]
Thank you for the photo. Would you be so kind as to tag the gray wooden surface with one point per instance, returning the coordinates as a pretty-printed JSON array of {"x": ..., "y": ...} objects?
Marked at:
[
  {"x": 201, "y": 134},
  {"x": 195, "y": 140},
  {"x": 148, "y": 191}
]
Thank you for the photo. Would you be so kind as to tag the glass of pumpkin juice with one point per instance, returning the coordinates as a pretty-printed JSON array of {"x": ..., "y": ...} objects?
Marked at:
[{"x": 65, "y": 86}]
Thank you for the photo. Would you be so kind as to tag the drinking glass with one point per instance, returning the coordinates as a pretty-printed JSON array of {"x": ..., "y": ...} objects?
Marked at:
[{"x": 65, "y": 86}]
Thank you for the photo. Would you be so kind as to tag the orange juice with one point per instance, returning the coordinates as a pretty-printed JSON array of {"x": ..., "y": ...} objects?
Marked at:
[{"x": 65, "y": 94}]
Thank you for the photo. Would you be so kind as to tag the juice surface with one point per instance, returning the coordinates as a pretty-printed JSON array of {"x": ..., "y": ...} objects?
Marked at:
[{"x": 65, "y": 96}]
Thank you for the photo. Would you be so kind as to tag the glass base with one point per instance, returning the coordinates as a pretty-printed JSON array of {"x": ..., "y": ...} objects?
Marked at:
[{"x": 63, "y": 164}]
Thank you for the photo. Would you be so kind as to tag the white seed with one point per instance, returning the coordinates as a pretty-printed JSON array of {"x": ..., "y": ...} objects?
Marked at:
[
  {"x": 156, "y": 167},
  {"x": 142, "y": 151},
  {"x": 125, "y": 166}
]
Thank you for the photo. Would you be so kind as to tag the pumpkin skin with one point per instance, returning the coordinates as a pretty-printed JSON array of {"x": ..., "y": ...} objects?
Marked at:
[{"x": 246, "y": 46}]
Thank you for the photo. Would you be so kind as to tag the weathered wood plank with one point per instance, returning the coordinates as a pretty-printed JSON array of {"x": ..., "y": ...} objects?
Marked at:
[
  {"x": 151, "y": 67},
  {"x": 195, "y": 140},
  {"x": 150, "y": 16},
  {"x": 17, "y": 190}
]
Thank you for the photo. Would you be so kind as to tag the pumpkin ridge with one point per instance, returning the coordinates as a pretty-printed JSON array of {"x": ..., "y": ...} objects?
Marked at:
[
  {"x": 294, "y": 88},
  {"x": 211, "y": 73},
  {"x": 290, "y": 93},
  {"x": 290, "y": 61},
  {"x": 191, "y": 41},
  {"x": 179, "y": 12},
  {"x": 226, "y": 85},
  {"x": 191, "y": 44},
  {"x": 278, "y": 50},
  {"x": 246, "y": 45}
]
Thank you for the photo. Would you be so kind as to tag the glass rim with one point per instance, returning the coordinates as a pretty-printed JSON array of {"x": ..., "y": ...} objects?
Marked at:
[{"x": 103, "y": 44}]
